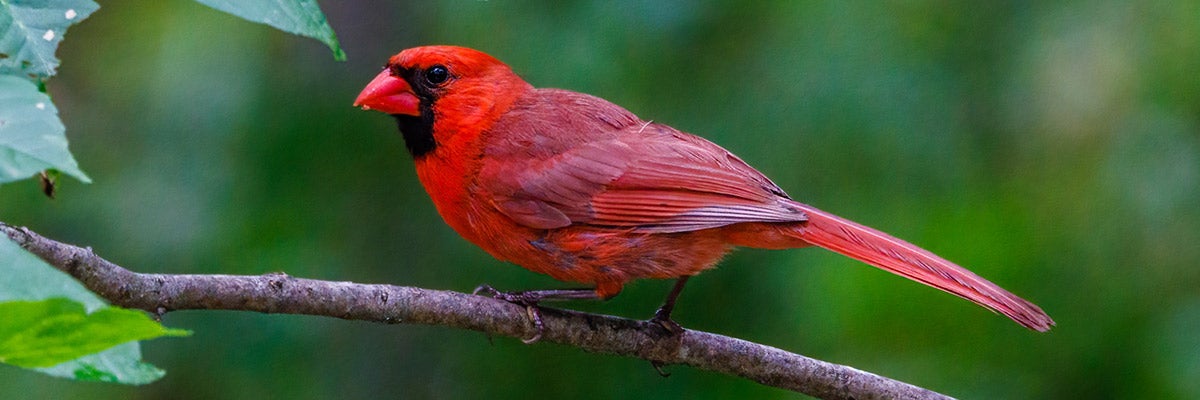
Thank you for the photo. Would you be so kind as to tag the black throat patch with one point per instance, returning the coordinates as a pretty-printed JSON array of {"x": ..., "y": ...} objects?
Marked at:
[{"x": 417, "y": 132}]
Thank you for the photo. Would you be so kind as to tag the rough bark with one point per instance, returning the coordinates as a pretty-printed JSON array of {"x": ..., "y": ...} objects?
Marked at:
[{"x": 280, "y": 293}]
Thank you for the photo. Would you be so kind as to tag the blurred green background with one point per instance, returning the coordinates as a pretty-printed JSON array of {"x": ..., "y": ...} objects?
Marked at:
[{"x": 1052, "y": 148}]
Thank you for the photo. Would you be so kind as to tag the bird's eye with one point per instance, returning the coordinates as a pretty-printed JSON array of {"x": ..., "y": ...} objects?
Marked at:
[{"x": 437, "y": 74}]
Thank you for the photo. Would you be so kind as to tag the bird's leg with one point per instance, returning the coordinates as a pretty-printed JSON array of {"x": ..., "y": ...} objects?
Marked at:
[
  {"x": 662, "y": 317},
  {"x": 530, "y": 299}
]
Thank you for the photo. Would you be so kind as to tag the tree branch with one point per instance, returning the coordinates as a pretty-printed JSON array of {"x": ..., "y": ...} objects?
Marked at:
[{"x": 280, "y": 293}]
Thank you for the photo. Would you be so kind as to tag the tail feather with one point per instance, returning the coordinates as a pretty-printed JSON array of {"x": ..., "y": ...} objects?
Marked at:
[{"x": 905, "y": 259}]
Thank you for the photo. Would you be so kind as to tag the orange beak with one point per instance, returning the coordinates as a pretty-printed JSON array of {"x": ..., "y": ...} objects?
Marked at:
[{"x": 389, "y": 94}]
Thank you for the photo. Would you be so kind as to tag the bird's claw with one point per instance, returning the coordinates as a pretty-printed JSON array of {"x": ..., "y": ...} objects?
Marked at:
[
  {"x": 535, "y": 315},
  {"x": 658, "y": 366},
  {"x": 491, "y": 291},
  {"x": 522, "y": 299},
  {"x": 662, "y": 318}
]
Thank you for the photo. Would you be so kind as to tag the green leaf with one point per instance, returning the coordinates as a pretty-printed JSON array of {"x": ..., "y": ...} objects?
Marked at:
[
  {"x": 32, "y": 138},
  {"x": 300, "y": 17},
  {"x": 30, "y": 31},
  {"x": 25, "y": 277},
  {"x": 120, "y": 364},
  {"x": 48, "y": 332}
]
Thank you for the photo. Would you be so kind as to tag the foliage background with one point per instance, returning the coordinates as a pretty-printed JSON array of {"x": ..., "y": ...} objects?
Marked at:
[{"x": 1053, "y": 148}]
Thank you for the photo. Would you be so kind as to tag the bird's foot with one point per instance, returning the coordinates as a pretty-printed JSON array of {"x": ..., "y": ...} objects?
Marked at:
[
  {"x": 529, "y": 300},
  {"x": 662, "y": 318}
]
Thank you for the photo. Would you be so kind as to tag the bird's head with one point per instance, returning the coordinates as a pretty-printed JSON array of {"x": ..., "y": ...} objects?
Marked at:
[{"x": 440, "y": 93}]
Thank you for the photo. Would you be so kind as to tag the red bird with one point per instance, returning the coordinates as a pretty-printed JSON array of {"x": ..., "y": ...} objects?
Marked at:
[{"x": 572, "y": 186}]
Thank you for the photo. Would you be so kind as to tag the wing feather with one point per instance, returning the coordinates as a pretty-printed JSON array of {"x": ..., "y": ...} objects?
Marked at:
[{"x": 640, "y": 176}]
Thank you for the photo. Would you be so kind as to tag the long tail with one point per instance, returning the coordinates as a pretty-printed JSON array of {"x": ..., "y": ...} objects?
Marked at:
[{"x": 905, "y": 259}]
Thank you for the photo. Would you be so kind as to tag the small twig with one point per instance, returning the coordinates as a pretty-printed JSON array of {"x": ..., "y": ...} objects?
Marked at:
[{"x": 280, "y": 293}]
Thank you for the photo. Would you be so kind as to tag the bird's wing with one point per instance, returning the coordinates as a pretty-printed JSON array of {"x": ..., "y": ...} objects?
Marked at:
[{"x": 645, "y": 177}]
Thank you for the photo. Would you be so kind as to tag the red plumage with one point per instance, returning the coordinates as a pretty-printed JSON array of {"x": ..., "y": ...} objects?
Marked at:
[{"x": 575, "y": 187}]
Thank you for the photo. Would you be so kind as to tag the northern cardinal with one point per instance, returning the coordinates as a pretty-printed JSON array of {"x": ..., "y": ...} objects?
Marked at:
[{"x": 572, "y": 186}]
